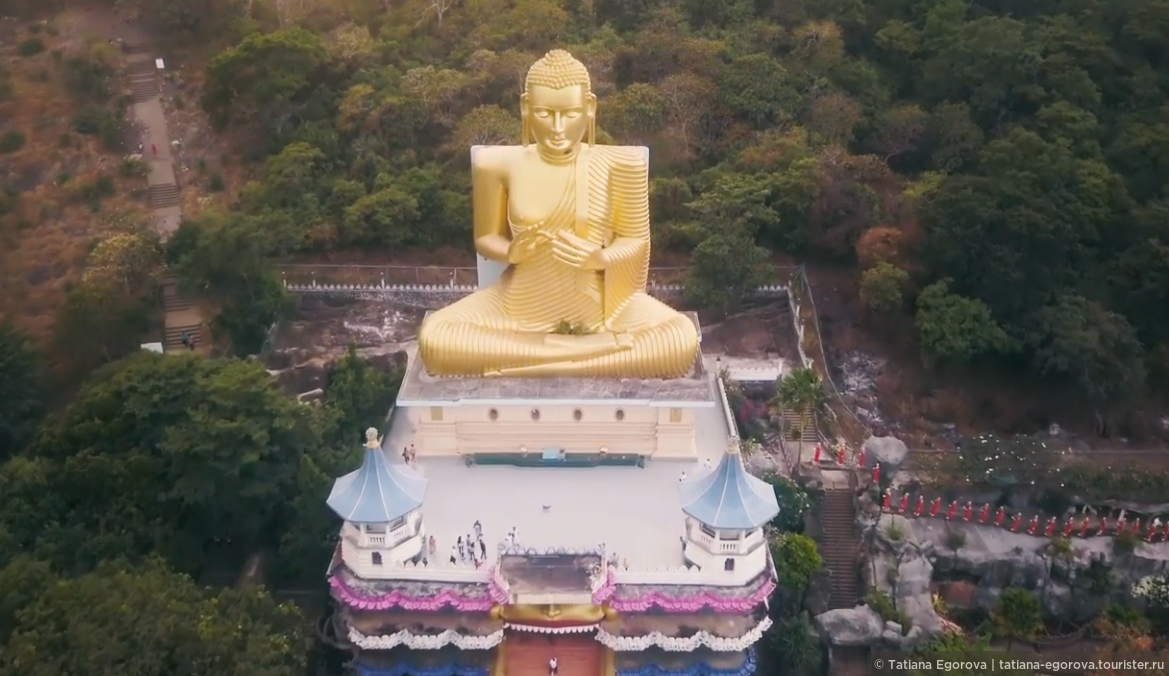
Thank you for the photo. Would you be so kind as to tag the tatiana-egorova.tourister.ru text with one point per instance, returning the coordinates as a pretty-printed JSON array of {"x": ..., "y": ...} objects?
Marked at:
[{"x": 974, "y": 663}]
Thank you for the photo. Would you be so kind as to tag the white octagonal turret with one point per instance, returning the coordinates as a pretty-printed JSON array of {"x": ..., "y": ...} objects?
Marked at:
[
  {"x": 381, "y": 505},
  {"x": 726, "y": 509}
]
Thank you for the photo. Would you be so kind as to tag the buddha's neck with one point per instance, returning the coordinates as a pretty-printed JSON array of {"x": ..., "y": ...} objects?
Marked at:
[{"x": 552, "y": 157}]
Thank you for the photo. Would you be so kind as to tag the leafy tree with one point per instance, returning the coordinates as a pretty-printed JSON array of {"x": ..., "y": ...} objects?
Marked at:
[
  {"x": 1018, "y": 613},
  {"x": 723, "y": 269},
  {"x": 800, "y": 390},
  {"x": 1095, "y": 348},
  {"x": 147, "y": 621},
  {"x": 22, "y": 381},
  {"x": 360, "y": 395},
  {"x": 953, "y": 328},
  {"x": 228, "y": 261},
  {"x": 956, "y": 647},
  {"x": 793, "y": 501},
  {"x": 795, "y": 644},
  {"x": 163, "y": 454},
  {"x": 797, "y": 559},
  {"x": 262, "y": 74},
  {"x": 881, "y": 287}
]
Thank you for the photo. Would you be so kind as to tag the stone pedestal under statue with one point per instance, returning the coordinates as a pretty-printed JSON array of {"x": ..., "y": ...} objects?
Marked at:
[{"x": 543, "y": 417}]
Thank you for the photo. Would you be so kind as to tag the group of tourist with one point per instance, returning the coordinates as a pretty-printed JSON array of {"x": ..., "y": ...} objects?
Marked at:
[{"x": 409, "y": 454}]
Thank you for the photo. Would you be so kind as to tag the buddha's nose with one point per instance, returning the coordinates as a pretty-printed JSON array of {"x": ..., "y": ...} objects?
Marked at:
[{"x": 558, "y": 123}]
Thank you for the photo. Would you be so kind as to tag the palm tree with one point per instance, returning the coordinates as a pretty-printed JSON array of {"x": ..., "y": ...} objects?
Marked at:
[{"x": 801, "y": 391}]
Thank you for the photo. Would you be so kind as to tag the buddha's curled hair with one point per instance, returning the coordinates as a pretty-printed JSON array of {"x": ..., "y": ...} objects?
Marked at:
[{"x": 558, "y": 69}]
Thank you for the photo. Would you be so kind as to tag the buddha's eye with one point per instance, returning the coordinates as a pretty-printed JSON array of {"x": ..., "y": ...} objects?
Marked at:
[
  {"x": 542, "y": 113},
  {"x": 572, "y": 114}
]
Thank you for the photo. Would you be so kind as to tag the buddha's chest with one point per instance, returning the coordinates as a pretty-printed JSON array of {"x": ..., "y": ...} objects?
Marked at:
[{"x": 537, "y": 191}]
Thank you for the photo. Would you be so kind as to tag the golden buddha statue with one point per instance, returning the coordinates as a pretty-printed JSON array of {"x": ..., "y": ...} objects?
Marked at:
[{"x": 571, "y": 220}]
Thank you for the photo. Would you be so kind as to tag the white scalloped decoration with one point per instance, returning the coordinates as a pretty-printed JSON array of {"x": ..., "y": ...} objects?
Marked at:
[
  {"x": 425, "y": 641},
  {"x": 580, "y": 629},
  {"x": 702, "y": 639}
]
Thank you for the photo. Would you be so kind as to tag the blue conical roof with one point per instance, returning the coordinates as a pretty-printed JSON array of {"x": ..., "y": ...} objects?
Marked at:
[
  {"x": 728, "y": 496},
  {"x": 377, "y": 492}
]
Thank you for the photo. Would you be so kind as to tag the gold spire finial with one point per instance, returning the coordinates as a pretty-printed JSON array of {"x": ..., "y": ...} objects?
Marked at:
[
  {"x": 557, "y": 70},
  {"x": 733, "y": 446},
  {"x": 371, "y": 440}
]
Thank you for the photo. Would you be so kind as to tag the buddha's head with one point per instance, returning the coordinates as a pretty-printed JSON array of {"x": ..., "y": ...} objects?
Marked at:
[{"x": 558, "y": 106}]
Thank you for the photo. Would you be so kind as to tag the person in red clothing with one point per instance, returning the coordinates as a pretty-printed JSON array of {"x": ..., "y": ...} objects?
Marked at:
[{"x": 154, "y": 149}]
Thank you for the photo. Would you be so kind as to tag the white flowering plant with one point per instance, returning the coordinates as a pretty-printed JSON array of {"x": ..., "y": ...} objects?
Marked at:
[{"x": 1154, "y": 589}]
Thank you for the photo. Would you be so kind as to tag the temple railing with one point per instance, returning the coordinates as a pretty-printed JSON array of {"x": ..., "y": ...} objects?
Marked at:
[
  {"x": 360, "y": 561},
  {"x": 683, "y": 576},
  {"x": 728, "y": 412},
  {"x": 374, "y": 279},
  {"x": 811, "y": 347}
]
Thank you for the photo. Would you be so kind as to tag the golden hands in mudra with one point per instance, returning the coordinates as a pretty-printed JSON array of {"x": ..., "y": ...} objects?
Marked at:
[
  {"x": 574, "y": 252},
  {"x": 572, "y": 221}
]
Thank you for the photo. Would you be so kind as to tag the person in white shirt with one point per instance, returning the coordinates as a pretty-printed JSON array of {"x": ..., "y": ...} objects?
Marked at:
[
  {"x": 553, "y": 666},
  {"x": 683, "y": 477}
]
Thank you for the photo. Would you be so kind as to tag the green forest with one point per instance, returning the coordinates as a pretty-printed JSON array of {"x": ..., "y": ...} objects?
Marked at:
[{"x": 993, "y": 174}]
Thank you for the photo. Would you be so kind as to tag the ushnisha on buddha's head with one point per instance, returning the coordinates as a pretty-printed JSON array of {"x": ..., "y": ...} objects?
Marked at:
[{"x": 558, "y": 106}]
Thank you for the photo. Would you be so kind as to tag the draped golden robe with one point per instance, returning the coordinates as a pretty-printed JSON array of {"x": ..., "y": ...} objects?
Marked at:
[{"x": 506, "y": 326}]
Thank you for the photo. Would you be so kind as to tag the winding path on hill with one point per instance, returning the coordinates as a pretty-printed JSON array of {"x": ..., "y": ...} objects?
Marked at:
[{"x": 181, "y": 315}]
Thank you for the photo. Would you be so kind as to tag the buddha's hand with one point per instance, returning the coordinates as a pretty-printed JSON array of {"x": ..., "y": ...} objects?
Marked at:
[
  {"x": 578, "y": 252},
  {"x": 525, "y": 245}
]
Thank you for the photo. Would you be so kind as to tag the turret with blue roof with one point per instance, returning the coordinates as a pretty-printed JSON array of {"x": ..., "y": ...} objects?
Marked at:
[
  {"x": 727, "y": 508},
  {"x": 380, "y": 504}
]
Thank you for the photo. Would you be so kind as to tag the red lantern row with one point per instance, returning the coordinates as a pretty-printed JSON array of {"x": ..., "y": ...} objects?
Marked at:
[{"x": 1084, "y": 528}]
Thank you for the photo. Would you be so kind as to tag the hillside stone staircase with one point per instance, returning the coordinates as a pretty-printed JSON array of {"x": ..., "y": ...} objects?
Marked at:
[
  {"x": 528, "y": 654},
  {"x": 143, "y": 79},
  {"x": 840, "y": 544},
  {"x": 790, "y": 420},
  {"x": 181, "y": 315},
  {"x": 164, "y": 195}
]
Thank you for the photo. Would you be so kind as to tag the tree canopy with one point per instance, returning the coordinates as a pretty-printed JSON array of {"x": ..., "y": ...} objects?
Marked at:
[{"x": 995, "y": 173}]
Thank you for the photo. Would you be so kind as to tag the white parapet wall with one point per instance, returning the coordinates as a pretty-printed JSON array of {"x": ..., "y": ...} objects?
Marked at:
[{"x": 360, "y": 561}]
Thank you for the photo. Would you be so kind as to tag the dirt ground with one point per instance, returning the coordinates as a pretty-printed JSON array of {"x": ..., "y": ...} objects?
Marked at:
[{"x": 46, "y": 236}]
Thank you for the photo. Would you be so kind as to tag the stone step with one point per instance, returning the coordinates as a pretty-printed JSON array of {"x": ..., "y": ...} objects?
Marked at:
[
  {"x": 792, "y": 419},
  {"x": 144, "y": 91},
  {"x": 141, "y": 66},
  {"x": 173, "y": 339},
  {"x": 164, "y": 195},
  {"x": 840, "y": 548},
  {"x": 172, "y": 300}
]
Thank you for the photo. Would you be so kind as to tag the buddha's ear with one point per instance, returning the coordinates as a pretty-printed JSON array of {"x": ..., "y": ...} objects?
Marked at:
[
  {"x": 591, "y": 103},
  {"x": 525, "y": 115}
]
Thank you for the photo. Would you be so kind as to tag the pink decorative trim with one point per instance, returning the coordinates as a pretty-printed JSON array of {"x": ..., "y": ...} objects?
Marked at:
[
  {"x": 497, "y": 593},
  {"x": 605, "y": 591},
  {"x": 690, "y": 604},
  {"x": 396, "y": 599},
  {"x": 684, "y": 604}
]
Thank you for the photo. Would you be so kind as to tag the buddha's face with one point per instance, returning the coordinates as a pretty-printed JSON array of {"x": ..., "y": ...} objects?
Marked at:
[{"x": 558, "y": 118}]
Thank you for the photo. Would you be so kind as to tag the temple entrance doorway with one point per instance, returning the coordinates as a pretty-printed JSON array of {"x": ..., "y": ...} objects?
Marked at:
[{"x": 528, "y": 654}]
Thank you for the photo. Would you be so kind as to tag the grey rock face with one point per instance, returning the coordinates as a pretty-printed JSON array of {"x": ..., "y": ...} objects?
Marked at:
[{"x": 848, "y": 627}]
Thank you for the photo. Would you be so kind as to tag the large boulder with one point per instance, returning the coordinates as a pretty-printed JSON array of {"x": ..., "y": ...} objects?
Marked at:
[
  {"x": 889, "y": 451},
  {"x": 850, "y": 627}
]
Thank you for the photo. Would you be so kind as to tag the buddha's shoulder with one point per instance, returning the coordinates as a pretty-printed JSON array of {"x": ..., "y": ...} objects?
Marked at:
[
  {"x": 623, "y": 157},
  {"x": 495, "y": 157}
]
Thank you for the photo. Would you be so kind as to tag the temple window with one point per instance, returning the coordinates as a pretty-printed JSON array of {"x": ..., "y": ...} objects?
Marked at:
[
  {"x": 535, "y": 414},
  {"x": 577, "y": 415},
  {"x": 729, "y": 565},
  {"x": 376, "y": 557},
  {"x": 375, "y": 528},
  {"x": 493, "y": 414},
  {"x": 436, "y": 413},
  {"x": 675, "y": 415},
  {"x": 729, "y": 535},
  {"x": 708, "y": 530},
  {"x": 398, "y": 523},
  {"x": 620, "y": 415}
]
